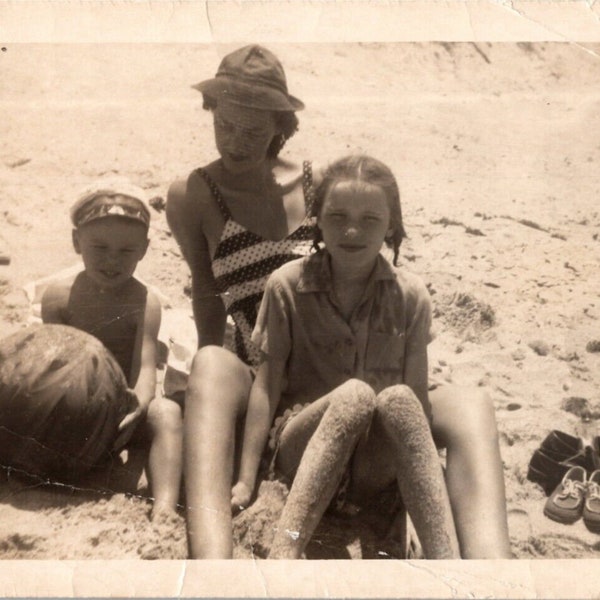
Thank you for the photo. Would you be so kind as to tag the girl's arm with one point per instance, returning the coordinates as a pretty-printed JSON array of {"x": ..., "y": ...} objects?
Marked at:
[
  {"x": 264, "y": 398},
  {"x": 143, "y": 372},
  {"x": 185, "y": 218},
  {"x": 416, "y": 373}
]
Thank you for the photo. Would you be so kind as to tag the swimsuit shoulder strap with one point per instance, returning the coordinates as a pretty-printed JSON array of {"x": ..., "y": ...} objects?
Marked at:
[
  {"x": 216, "y": 193},
  {"x": 307, "y": 186}
]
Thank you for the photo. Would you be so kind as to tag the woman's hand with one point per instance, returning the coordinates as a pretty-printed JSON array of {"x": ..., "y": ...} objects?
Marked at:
[{"x": 240, "y": 497}]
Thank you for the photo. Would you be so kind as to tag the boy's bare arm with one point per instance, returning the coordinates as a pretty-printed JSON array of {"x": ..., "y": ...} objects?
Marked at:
[
  {"x": 145, "y": 385},
  {"x": 185, "y": 219},
  {"x": 54, "y": 303},
  {"x": 264, "y": 398},
  {"x": 143, "y": 369}
]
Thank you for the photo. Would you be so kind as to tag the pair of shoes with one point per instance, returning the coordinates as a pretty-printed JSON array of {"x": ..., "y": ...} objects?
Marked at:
[
  {"x": 575, "y": 497},
  {"x": 557, "y": 454}
]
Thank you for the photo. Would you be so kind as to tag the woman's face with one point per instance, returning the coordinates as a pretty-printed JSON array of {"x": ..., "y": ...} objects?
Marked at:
[{"x": 243, "y": 135}]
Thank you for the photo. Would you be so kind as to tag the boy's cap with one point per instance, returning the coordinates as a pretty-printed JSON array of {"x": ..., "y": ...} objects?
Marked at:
[
  {"x": 251, "y": 76},
  {"x": 111, "y": 199}
]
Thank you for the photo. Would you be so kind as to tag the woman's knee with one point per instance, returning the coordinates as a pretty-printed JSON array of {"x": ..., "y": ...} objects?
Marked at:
[
  {"x": 213, "y": 360},
  {"x": 464, "y": 413},
  {"x": 217, "y": 373}
]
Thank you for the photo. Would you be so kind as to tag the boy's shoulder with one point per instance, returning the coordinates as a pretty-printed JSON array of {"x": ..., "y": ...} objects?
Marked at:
[{"x": 57, "y": 292}]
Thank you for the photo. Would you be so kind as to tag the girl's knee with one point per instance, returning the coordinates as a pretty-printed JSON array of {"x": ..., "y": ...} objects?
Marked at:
[
  {"x": 354, "y": 398},
  {"x": 400, "y": 404},
  {"x": 398, "y": 396}
]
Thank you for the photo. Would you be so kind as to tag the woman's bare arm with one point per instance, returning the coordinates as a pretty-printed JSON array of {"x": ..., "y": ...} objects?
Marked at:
[{"x": 186, "y": 204}]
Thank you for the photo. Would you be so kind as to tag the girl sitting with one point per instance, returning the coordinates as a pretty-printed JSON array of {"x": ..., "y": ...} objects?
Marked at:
[{"x": 345, "y": 337}]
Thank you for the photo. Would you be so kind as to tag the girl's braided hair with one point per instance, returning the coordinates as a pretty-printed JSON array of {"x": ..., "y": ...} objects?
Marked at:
[
  {"x": 368, "y": 170},
  {"x": 286, "y": 121}
]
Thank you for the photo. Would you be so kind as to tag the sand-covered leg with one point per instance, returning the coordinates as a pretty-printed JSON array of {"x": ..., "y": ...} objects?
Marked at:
[
  {"x": 347, "y": 416},
  {"x": 419, "y": 473}
]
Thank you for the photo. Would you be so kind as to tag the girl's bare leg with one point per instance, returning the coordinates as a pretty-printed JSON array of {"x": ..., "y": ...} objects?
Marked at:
[
  {"x": 464, "y": 421},
  {"x": 331, "y": 427},
  {"x": 166, "y": 454},
  {"x": 418, "y": 470},
  {"x": 217, "y": 396}
]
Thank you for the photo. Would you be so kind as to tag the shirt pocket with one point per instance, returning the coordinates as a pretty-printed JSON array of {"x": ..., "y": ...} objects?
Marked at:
[{"x": 385, "y": 352}]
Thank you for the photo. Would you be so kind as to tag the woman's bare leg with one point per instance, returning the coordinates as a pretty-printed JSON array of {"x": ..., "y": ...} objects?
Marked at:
[
  {"x": 166, "y": 454},
  {"x": 217, "y": 396},
  {"x": 331, "y": 427},
  {"x": 464, "y": 422}
]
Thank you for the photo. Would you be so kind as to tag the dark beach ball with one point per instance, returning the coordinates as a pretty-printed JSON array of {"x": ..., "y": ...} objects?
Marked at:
[{"x": 62, "y": 397}]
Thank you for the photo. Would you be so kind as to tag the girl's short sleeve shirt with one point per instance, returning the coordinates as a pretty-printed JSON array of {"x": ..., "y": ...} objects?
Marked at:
[{"x": 299, "y": 322}]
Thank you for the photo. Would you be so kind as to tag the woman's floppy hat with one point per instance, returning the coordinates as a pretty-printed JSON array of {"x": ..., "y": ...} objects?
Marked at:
[{"x": 251, "y": 76}]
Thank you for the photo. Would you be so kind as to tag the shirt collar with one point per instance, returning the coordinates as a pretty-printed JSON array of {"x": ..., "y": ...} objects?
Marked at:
[{"x": 316, "y": 274}]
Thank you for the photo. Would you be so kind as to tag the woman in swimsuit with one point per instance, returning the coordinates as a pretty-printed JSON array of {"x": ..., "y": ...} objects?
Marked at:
[{"x": 237, "y": 220}]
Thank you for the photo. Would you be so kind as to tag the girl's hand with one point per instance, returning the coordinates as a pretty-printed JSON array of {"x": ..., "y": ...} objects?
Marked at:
[
  {"x": 129, "y": 423},
  {"x": 240, "y": 497}
]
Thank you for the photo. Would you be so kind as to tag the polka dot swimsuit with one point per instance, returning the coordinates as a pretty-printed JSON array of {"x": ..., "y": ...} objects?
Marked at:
[{"x": 244, "y": 260}]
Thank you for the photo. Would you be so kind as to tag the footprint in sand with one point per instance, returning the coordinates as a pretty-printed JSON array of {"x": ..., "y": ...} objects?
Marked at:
[{"x": 519, "y": 523}]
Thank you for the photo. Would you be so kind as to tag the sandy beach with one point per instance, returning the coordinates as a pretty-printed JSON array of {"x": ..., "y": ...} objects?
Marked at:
[{"x": 496, "y": 150}]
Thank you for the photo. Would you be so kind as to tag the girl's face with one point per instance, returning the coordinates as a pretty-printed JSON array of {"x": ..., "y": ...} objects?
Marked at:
[
  {"x": 111, "y": 249},
  {"x": 243, "y": 135},
  {"x": 354, "y": 220}
]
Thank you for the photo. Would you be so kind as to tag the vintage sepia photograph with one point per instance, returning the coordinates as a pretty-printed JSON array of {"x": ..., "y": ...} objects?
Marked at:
[{"x": 301, "y": 300}]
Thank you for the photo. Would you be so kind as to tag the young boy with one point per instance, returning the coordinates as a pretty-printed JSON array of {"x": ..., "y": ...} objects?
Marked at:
[{"x": 111, "y": 223}]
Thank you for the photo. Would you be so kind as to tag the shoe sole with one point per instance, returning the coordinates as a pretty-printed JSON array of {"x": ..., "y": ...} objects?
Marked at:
[
  {"x": 561, "y": 519},
  {"x": 593, "y": 527}
]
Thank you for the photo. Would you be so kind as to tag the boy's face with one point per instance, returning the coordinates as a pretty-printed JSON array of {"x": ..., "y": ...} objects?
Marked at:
[
  {"x": 354, "y": 220},
  {"x": 242, "y": 135},
  {"x": 111, "y": 248}
]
